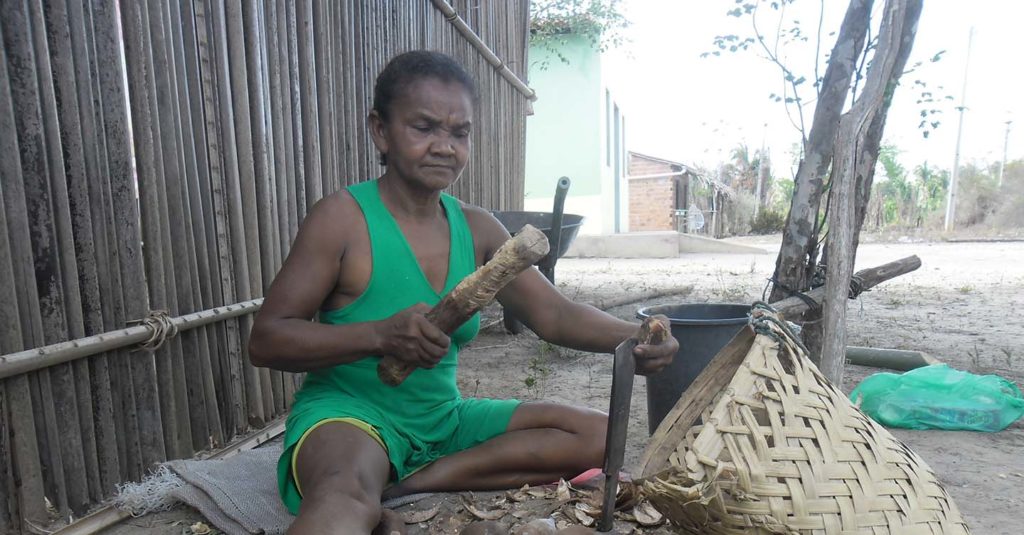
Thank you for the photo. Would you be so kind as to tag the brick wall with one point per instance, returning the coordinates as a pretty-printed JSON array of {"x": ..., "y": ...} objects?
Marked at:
[
  {"x": 640, "y": 165},
  {"x": 651, "y": 203}
]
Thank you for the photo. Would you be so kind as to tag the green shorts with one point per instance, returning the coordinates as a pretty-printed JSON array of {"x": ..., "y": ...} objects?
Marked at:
[{"x": 473, "y": 422}]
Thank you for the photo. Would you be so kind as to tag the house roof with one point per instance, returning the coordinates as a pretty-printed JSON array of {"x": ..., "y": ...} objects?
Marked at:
[
  {"x": 645, "y": 166},
  {"x": 683, "y": 169},
  {"x": 655, "y": 158}
]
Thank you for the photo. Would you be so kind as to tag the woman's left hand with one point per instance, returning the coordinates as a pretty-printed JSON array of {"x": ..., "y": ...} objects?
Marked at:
[{"x": 652, "y": 358}]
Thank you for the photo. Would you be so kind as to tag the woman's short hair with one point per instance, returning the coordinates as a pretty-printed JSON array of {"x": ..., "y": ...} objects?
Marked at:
[{"x": 406, "y": 68}]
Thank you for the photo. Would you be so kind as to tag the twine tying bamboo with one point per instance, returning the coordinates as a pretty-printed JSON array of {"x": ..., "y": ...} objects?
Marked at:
[{"x": 161, "y": 326}]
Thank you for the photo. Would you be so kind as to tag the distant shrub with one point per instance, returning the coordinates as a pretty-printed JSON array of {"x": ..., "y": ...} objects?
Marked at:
[{"x": 767, "y": 222}]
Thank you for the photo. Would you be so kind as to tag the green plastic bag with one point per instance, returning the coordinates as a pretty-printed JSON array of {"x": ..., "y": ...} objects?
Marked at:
[{"x": 940, "y": 397}]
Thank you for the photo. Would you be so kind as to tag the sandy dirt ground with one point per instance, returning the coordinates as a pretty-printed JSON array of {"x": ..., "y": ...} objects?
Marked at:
[{"x": 960, "y": 307}]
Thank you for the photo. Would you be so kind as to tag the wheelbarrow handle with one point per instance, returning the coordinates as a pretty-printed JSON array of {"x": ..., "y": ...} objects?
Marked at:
[{"x": 561, "y": 191}]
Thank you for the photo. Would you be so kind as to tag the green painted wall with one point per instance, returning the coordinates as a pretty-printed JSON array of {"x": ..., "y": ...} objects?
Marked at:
[{"x": 564, "y": 135}]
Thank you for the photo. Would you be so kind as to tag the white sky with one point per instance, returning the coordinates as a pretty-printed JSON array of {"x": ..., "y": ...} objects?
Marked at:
[{"x": 696, "y": 110}]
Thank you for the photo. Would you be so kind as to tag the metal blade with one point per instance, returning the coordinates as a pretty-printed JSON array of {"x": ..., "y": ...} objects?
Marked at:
[{"x": 618, "y": 423}]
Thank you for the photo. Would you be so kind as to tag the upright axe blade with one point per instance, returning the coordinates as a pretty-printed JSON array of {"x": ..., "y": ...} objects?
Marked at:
[
  {"x": 654, "y": 330},
  {"x": 618, "y": 422}
]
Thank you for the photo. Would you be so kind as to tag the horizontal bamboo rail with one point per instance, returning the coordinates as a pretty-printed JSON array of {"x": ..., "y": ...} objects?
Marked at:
[
  {"x": 36, "y": 359},
  {"x": 453, "y": 16}
]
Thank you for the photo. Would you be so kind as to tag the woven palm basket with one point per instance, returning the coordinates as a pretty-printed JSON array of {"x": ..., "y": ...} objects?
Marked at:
[{"x": 783, "y": 451}]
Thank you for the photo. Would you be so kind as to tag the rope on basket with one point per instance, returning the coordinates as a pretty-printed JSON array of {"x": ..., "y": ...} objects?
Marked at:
[{"x": 763, "y": 316}]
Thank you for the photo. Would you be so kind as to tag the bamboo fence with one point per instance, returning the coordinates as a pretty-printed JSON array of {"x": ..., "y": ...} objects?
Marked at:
[{"x": 156, "y": 160}]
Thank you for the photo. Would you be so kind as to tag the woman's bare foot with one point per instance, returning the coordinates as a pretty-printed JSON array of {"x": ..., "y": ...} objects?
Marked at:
[{"x": 391, "y": 523}]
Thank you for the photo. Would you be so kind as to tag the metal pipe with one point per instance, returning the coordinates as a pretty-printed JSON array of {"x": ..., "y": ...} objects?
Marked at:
[
  {"x": 485, "y": 51},
  {"x": 42, "y": 357}
]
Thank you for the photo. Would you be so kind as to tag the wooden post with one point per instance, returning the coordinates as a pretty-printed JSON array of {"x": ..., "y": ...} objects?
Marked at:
[{"x": 849, "y": 163}]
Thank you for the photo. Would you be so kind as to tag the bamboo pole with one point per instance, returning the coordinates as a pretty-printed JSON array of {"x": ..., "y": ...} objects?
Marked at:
[
  {"x": 248, "y": 378},
  {"x": 265, "y": 55},
  {"x": 254, "y": 179},
  {"x": 195, "y": 222},
  {"x": 48, "y": 205},
  {"x": 24, "y": 451},
  {"x": 243, "y": 199},
  {"x": 337, "y": 156},
  {"x": 321, "y": 80},
  {"x": 307, "y": 79},
  {"x": 288, "y": 139},
  {"x": 298, "y": 128},
  {"x": 149, "y": 383},
  {"x": 43, "y": 357},
  {"x": 272, "y": 240},
  {"x": 140, "y": 426},
  {"x": 211, "y": 44},
  {"x": 8, "y": 490},
  {"x": 34, "y": 126},
  {"x": 193, "y": 427},
  {"x": 292, "y": 170},
  {"x": 103, "y": 413},
  {"x": 78, "y": 255},
  {"x": 351, "y": 122},
  {"x": 159, "y": 255},
  {"x": 276, "y": 47}
]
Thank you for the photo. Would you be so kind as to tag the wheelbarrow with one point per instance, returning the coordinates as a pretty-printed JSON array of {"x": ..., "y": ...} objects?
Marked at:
[{"x": 560, "y": 229}]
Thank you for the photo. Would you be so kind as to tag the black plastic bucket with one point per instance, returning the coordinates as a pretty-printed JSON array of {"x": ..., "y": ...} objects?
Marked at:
[{"x": 702, "y": 331}]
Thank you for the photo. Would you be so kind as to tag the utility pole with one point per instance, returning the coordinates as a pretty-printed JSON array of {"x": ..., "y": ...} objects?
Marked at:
[
  {"x": 1002, "y": 165},
  {"x": 951, "y": 199},
  {"x": 762, "y": 162}
]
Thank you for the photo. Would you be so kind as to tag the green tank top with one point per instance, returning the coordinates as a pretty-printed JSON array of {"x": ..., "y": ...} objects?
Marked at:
[{"x": 425, "y": 398}]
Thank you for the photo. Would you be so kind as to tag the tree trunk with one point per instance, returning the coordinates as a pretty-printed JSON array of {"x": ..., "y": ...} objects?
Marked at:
[
  {"x": 873, "y": 139},
  {"x": 854, "y": 162},
  {"x": 796, "y": 262}
]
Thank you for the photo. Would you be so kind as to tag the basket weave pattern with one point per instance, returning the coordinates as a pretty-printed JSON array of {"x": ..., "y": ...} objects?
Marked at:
[{"x": 782, "y": 450}]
